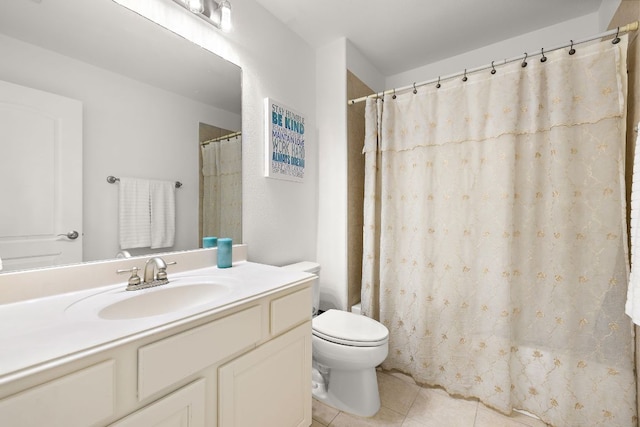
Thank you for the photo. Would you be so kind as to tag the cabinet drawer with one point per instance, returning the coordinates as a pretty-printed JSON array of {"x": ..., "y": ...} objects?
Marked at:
[
  {"x": 290, "y": 310},
  {"x": 172, "y": 359},
  {"x": 82, "y": 398}
]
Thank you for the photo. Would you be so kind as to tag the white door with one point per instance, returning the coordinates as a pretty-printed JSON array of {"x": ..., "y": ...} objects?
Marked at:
[{"x": 41, "y": 174}]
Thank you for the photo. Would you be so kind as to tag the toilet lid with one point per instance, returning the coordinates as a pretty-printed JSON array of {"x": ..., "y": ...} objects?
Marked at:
[{"x": 347, "y": 328}]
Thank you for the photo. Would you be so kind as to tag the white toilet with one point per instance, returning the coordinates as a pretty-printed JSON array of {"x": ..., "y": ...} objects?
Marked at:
[{"x": 347, "y": 348}]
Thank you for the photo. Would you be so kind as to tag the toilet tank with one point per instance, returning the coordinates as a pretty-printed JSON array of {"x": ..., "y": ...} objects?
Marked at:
[{"x": 313, "y": 268}]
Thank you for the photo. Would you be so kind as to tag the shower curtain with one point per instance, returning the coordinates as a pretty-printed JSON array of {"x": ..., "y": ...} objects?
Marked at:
[
  {"x": 495, "y": 245},
  {"x": 222, "y": 189}
]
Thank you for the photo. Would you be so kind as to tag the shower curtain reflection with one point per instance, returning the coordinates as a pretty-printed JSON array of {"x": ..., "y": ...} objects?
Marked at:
[
  {"x": 495, "y": 236},
  {"x": 222, "y": 188}
]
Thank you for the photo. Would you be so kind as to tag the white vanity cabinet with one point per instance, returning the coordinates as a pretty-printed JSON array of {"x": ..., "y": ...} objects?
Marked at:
[
  {"x": 270, "y": 386},
  {"x": 246, "y": 365}
]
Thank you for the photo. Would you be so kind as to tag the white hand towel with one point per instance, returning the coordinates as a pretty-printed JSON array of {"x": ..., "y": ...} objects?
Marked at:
[
  {"x": 632, "y": 307},
  {"x": 134, "y": 213},
  {"x": 163, "y": 214}
]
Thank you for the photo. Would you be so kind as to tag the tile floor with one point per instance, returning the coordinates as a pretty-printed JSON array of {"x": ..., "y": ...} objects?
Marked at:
[{"x": 405, "y": 404}]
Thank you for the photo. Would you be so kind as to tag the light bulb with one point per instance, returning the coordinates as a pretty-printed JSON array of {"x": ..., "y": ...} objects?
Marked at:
[
  {"x": 195, "y": 6},
  {"x": 225, "y": 15}
]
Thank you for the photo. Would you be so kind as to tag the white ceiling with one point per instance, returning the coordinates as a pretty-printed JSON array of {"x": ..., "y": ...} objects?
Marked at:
[{"x": 400, "y": 35}]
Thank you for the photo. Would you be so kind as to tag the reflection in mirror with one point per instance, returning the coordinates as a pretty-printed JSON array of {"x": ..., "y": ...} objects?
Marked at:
[
  {"x": 122, "y": 96},
  {"x": 220, "y": 183}
]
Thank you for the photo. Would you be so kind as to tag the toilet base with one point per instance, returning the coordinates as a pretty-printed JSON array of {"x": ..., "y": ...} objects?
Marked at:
[{"x": 355, "y": 392}]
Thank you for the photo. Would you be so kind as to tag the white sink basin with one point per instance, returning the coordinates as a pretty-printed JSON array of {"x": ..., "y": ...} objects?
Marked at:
[
  {"x": 163, "y": 300},
  {"x": 180, "y": 295}
]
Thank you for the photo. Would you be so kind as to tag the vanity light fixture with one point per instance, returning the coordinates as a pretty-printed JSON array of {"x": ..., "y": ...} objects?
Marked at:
[{"x": 215, "y": 12}]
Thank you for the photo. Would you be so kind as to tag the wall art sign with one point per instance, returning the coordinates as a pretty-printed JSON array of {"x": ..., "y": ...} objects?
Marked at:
[{"x": 284, "y": 142}]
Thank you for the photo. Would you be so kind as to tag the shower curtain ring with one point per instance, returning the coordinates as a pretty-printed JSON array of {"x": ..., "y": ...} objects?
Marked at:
[
  {"x": 414, "y": 88},
  {"x": 572, "y": 50},
  {"x": 524, "y": 61},
  {"x": 493, "y": 69},
  {"x": 438, "y": 85},
  {"x": 616, "y": 40},
  {"x": 464, "y": 79},
  {"x": 544, "y": 58}
]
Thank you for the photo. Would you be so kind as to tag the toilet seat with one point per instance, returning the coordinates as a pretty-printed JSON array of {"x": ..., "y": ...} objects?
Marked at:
[{"x": 342, "y": 327}]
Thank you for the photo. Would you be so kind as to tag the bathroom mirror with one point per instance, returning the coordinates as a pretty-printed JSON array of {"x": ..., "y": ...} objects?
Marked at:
[{"x": 145, "y": 95}]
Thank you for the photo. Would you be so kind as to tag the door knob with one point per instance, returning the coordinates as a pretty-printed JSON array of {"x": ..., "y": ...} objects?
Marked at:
[{"x": 72, "y": 235}]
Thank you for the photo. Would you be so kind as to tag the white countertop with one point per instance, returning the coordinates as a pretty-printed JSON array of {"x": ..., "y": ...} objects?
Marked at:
[{"x": 41, "y": 331}]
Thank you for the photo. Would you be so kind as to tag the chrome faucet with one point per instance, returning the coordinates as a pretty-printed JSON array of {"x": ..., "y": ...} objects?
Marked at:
[
  {"x": 155, "y": 271},
  {"x": 123, "y": 254},
  {"x": 150, "y": 273},
  {"x": 155, "y": 274}
]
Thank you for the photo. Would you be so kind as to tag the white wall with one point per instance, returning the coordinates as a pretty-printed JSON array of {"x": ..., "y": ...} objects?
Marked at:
[
  {"x": 607, "y": 10},
  {"x": 331, "y": 69},
  {"x": 332, "y": 61},
  {"x": 279, "y": 217},
  {"x": 547, "y": 37},
  {"x": 129, "y": 129},
  {"x": 359, "y": 65}
]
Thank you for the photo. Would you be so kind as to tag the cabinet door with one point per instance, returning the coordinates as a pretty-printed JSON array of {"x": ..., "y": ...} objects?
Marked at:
[
  {"x": 79, "y": 399},
  {"x": 183, "y": 408},
  {"x": 270, "y": 386}
]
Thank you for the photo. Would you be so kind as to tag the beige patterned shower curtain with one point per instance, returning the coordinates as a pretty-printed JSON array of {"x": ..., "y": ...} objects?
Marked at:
[
  {"x": 222, "y": 189},
  {"x": 495, "y": 245}
]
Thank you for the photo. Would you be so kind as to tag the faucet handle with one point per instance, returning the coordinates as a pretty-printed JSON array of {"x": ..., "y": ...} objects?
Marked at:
[
  {"x": 162, "y": 271},
  {"x": 134, "y": 280}
]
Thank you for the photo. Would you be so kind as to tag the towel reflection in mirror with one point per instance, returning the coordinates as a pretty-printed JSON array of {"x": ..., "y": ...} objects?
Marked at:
[{"x": 146, "y": 213}]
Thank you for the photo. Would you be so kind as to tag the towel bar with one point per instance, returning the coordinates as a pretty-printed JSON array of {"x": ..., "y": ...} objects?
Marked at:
[{"x": 112, "y": 180}]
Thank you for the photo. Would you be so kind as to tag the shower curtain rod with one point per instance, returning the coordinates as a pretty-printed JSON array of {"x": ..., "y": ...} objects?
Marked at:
[
  {"x": 220, "y": 138},
  {"x": 633, "y": 26}
]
